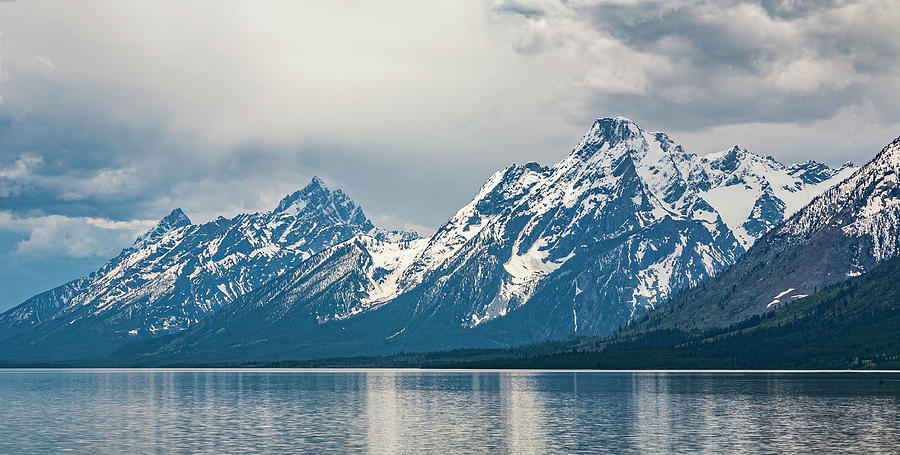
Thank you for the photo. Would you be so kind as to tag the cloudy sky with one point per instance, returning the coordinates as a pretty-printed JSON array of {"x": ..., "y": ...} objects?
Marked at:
[{"x": 114, "y": 113}]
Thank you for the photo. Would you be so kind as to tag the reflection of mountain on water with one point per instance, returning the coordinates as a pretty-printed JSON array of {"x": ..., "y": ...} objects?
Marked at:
[
  {"x": 416, "y": 411},
  {"x": 383, "y": 417},
  {"x": 524, "y": 414}
]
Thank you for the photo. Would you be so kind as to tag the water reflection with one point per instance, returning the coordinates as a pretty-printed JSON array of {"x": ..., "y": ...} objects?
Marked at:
[
  {"x": 523, "y": 414},
  {"x": 386, "y": 411},
  {"x": 383, "y": 416}
]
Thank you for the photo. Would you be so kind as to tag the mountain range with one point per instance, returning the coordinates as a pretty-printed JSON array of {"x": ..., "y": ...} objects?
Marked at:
[
  {"x": 580, "y": 248},
  {"x": 841, "y": 249},
  {"x": 178, "y": 273},
  {"x": 845, "y": 232}
]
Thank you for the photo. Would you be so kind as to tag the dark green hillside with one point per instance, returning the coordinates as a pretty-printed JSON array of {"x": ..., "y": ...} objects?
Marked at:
[
  {"x": 847, "y": 230},
  {"x": 853, "y": 324}
]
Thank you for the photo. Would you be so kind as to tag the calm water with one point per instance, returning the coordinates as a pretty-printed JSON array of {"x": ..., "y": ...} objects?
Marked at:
[{"x": 402, "y": 411}]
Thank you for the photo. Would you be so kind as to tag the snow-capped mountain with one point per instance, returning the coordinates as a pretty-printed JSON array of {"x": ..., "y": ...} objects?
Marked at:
[
  {"x": 618, "y": 182},
  {"x": 178, "y": 273},
  {"x": 845, "y": 232},
  {"x": 866, "y": 207},
  {"x": 623, "y": 222},
  {"x": 755, "y": 193},
  {"x": 347, "y": 279}
]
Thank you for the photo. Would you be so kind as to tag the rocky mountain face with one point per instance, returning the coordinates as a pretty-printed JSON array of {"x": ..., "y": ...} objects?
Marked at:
[
  {"x": 626, "y": 220},
  {"x": 845, "y": 232},
  {"x": 609, "y": 232},
  {"x": 178, "y": 273},
  {"x": 755, "y": 193}
]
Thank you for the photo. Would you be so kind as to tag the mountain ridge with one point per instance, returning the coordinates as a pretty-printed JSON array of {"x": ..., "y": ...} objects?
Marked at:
[
  {"x": 845, "y": 232},
  {"x": 580, "y": 247},
  {"x": 178, "y": 273}
]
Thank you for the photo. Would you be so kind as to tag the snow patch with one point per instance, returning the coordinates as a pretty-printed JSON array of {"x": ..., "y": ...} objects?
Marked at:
[{"x": 776, "y": 300}]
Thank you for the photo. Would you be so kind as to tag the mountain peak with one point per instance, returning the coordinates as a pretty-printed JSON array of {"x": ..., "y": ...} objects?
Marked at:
[
  {"x": 813, "y": 172},
  {"x": 170, "y": 222},
  {"x": 175, "y": 219},
  {"x": 315, "y": 191},
  {"x": 608, "y": 131},
  {"x": 316, "y": 200},
  {"x": 729, "y": 160},
  {"x": 616, "y": 127},
  {"x": 891, "y": 152},
  {"x": 316, "y": 183}
]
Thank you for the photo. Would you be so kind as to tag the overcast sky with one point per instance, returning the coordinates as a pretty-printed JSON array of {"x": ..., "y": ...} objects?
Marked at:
[{"x": 114, "y": 113}]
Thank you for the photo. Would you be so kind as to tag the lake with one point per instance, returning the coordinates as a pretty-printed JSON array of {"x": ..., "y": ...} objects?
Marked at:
[{"x": 420, "y": 411}]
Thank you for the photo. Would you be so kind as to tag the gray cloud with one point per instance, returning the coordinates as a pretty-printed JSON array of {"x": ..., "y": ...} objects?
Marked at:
[
  {"x": 696, "y": 64},
  {"x": 74, "y": 237},
  {"x": 90, "y": 169},
  {"x": 122, "y": 112},
  {"x": 152, "y": 121},
  {"x": 793, "y": 9},
  {"x": 519, "y": 9}
]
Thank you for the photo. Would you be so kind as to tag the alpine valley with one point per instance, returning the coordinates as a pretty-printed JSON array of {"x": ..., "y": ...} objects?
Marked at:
[{"x": 581, "y": 248}]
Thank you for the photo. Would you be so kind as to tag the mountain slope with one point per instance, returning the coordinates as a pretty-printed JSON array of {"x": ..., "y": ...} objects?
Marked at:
[
  {"x": 178, "y": 273},
  {"x": 852, "y": 324},
  {"x": 845, "y": 232},
  {"x": 577, "y": 248},
  {"x": 606, "y": 234}
]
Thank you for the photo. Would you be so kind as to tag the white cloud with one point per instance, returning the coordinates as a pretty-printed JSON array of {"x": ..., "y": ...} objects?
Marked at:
[
  {"x": 850, "y": 135},
  {"x": 248, "y": 101},
  {"x": 44, "y": 65},
  {"x": 57, "y": 236},
  {"x": 17, "y": 175},
  {"x": 704, "y": 64},
  {"x": 313, "y": 72},
  {"x": 23, "y": 173},
  {"x": 115, "y": 111},
  {"x": 3, "y": 75}
]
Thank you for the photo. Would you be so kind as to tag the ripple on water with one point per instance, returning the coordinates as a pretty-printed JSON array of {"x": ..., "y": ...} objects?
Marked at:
[{"x": 413, "y": 411}]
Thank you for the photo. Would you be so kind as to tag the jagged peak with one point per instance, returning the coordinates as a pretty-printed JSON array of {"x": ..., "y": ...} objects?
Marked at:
[
  {"x": 174, "y": 220},
  {"x": 625, "y": 136},
  {"x": 534, "y": 166},
  {"x": 808, "y": 163},
  {"x": 886, "y": 161},
  {"x": 812, "y": 171},
  {"x": 733, "y": 151},
  {"x": 728, "y": 160},
  {"x": 888, "y": 157},
  {"x": 316, "y": 183},
  {"x": 663, "y": 138},
  {"x": 392, "y": 236},
  {"x": 891, "y": 152},
  {"x": 616, "y": 126},
  {"x": 515, "y": 170},
  {"x": 315, "y": 191},
  {"x": 895, "y": 142},
  {"x": 316, "y": 199},
  {"x": 607, "y": 130}
]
